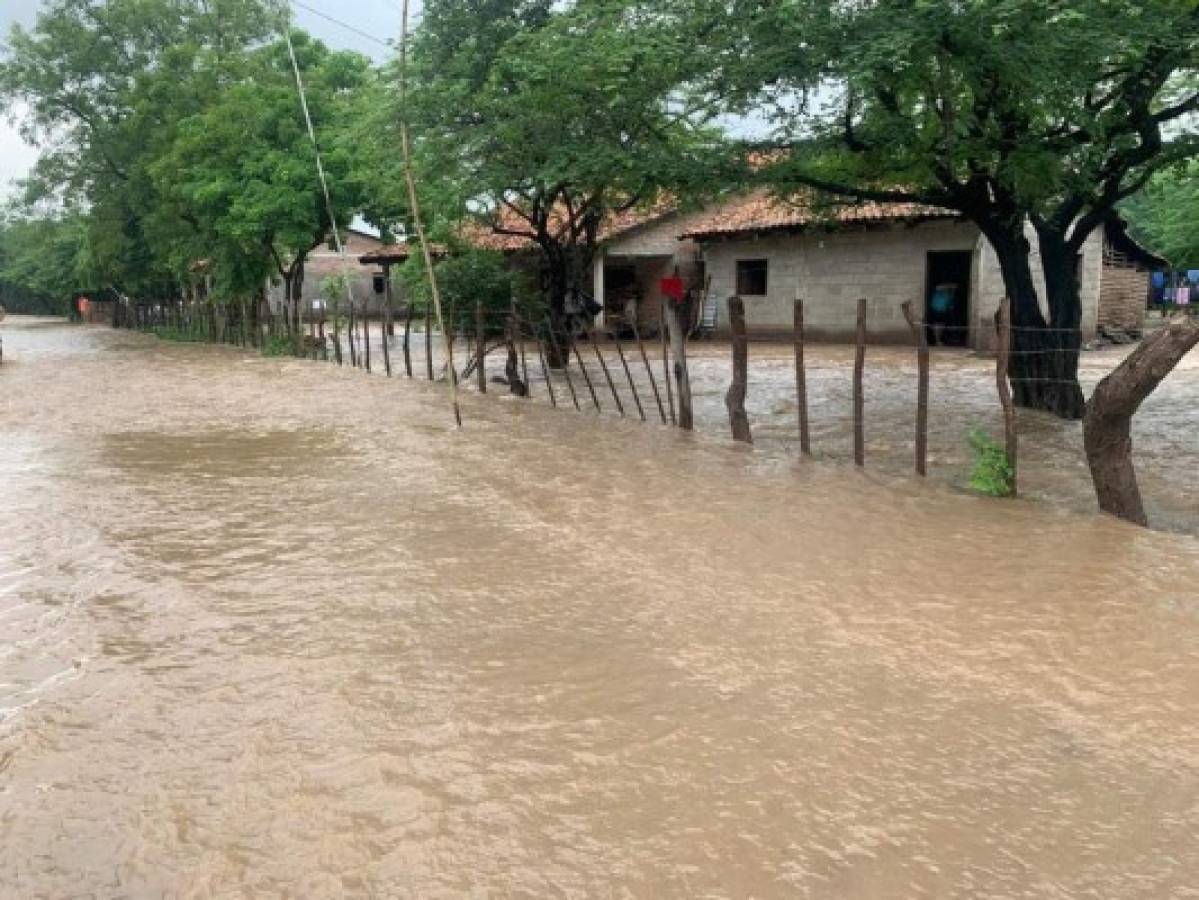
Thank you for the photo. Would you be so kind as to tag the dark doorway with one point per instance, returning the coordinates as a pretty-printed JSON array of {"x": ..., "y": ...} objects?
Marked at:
[
  {"x": 620, "y": 286},
  {"x": 947, "y": 299}
]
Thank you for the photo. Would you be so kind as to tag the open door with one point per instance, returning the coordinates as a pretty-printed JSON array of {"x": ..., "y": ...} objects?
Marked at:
[{"x": 947, "y": 299}]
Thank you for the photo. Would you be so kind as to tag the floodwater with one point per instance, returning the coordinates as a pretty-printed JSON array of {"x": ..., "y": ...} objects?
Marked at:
[{"x": 271, "y": 628}]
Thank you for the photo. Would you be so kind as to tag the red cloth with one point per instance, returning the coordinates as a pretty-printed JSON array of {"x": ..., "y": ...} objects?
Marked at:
[{"x": 672, "y": 287}]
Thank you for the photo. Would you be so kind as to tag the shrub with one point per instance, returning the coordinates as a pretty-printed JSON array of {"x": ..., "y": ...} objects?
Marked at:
[{"x": 992, "y": 473}]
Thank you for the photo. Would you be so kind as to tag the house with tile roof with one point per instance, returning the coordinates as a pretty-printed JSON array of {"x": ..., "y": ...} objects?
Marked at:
[{"x": 770, "y": 251}]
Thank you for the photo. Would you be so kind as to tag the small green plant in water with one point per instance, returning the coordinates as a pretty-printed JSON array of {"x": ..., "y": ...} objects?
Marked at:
[
  {"x": 277, "y": 345},
  {"x": 178, "y": 333},
  {"x": 992, "y": 473}
]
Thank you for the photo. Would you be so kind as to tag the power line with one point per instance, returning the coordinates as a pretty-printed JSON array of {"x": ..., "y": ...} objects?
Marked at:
[{"x": 365, "y": 35}]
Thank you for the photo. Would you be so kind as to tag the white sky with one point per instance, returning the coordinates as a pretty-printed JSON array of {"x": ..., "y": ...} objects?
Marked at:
[{"x": 379, "y": 18}]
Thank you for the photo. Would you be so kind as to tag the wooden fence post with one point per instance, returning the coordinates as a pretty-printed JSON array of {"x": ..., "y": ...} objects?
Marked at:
[
  {"x": 734, "y": 400},
  {"x": 480, "y": 347},
  {"x": 653, "y": 382},
  {"x": 920, "y": 333},
  {"x": 429, "y": 339},
  {"x": 629, "y": 375},
  {"x": 353, "y": 330},
  {"x": 801, "y": 382},
  {"x": 1003, "y": 339},
  {"x": 545, "y": 370},
  {"x": 678, "y": 346},
  {"x": 573, "y": 345},
  {"x": 604, "y": 366},
  {"x": 366, "y": 334},
  {"x": 517, "y": 327},
  {"x": 511, "y": 371},
  {"x": 408, "y": 337},
  {"x": 558, "y": 354},
  {"x": 662, "y": 328},
  {"x": 387, "y": 326},
  {"x": 859, "y": 365}
]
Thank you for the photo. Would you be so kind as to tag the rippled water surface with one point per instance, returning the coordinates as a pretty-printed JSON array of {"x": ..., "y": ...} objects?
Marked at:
[{"x": 272, "y": 628}]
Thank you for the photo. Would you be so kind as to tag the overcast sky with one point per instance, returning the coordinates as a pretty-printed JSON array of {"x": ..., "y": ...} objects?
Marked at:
[{"x": 377, "y": 20}]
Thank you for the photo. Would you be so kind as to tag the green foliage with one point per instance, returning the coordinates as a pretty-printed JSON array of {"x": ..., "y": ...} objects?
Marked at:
[
  {"x": 43, "y": 261},
  {"x": 470, "y": 275},
  {"x": 181, "y": 334},
  {"x": 1163, "y": 216},
  {"x": 278, "y": 345},
  {"x": 992, "y": 474}
]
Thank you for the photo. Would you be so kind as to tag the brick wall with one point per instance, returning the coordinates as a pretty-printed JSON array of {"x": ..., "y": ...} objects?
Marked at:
[{"x": 1122, "y": 294}]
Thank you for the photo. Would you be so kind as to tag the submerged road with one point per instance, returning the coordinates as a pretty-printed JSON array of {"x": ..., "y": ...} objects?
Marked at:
[{"x": 271, "y": 628}]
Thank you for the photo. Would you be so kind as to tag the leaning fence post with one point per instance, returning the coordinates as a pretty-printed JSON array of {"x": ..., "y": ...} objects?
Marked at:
[
  {"x": 1003, "y": 337},
  {"x": 563, "y": 355},
  {"x": 545, "y": 370},
  {"x": 604, "y": 366},
  {"x": 859, "y": 365},
  {"x": 629, "y": 375},
  {"x": 801, "y": 382},
  {"x": 573, "y": 345},
  {"x": 408, "y": 337},
  {"x": 653, "y": 382},
  {"x": 366, "y": 334},
  {"x": 387, "y": 326},
  {"x": 678, "y": 346},
  {"x": 734, "y": 400},
  {"x": 921, "y": 335}
]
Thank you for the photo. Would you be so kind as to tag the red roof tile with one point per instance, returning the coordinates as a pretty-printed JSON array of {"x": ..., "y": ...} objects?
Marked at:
[
  {"x": 761, "y": 211},
  {"x": 481, "y": 234}
]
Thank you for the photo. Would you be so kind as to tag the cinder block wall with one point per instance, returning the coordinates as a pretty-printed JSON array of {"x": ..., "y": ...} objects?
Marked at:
[{"x": 831, "y": 271}]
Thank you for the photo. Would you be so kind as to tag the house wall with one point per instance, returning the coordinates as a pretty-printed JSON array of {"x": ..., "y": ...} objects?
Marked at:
[
  {"x": 323, "y": 262},
  {"x": 887, "y": 266},
  {"x": 830, "y": 271},
  {"x": 1123, "y": 292}
]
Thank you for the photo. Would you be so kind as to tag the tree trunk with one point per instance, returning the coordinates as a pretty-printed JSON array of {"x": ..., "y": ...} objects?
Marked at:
[
  {"x": 1044, "y": 363},
  {"x": 1107, "y": 426}
]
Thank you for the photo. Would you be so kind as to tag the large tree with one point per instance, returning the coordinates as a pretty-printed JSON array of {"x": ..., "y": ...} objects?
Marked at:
[
  {"x": 548, "y": 118},
  {"x": 1015, "y": 113}
]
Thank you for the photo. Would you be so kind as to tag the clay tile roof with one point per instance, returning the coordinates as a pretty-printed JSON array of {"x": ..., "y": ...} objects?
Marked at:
[
  {"x": 760, "y": 211},
  {"x": 482, "y": 235},
  {"x": 396, "y": 253}
]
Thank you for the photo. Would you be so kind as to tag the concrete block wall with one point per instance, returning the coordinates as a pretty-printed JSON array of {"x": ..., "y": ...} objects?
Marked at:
[
  {"x": 831, "y": 271},
  {"x": 886, "y": 266}
]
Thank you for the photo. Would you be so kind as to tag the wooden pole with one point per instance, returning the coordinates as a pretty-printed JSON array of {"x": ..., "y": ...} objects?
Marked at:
[
  {"x": 920, "y": 333},
  {"x": 666, "y": 359},
  {"x": 545, "y": 370},
  {"x": 408, "y": 338},
  {"x": 353, "y": 331},
  {"x": 734, "y": 400},
  {"x": 429, "y": 341},
  {"x": 801, "y": 382},
  {"x": 480, "y": 347},
  {"x": 366, "y": 334},
  {"x": 1003, "y": 339},
  {"x": 582, "y": 366},
  {"x": 511, "y": 371},
  {"x": 387, "y": 326},
  {"x": 629, "y": 375},
  {"x": 859, "y": 367},
  {"x": 653, "y": 382},
  {"x": 518, "y": 333},
  {"x": 558, "y": 354},
  {"x": 678, "y": 346},
  {"x": 336, "y": 333},
  {"x": 607, "y": 375}
]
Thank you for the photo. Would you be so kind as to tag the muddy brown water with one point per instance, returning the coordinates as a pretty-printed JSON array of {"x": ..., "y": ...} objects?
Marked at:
[{"x": 269, "y": 628}]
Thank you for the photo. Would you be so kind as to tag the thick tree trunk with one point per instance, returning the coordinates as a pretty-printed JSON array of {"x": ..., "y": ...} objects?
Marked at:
[
  {"x": 1107, "y": 426},
  {"x": 1044, "y": 363}
]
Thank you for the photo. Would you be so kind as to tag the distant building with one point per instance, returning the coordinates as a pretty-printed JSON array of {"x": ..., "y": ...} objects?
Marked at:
[{"x": 366, "y": 283}]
